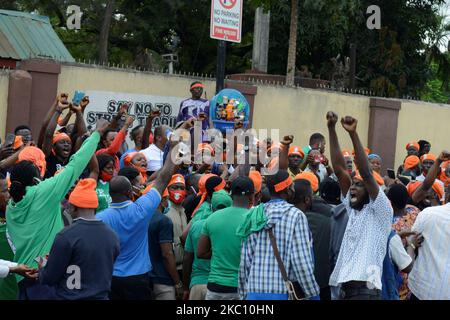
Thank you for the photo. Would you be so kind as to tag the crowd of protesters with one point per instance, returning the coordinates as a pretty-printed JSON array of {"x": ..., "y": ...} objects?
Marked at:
[{"x": 84, "y": 216}]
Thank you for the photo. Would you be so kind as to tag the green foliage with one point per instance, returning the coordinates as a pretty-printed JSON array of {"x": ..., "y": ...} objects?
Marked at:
[
  {"x": 433, "y": 90},
  {"x": 394, "y": 61}
]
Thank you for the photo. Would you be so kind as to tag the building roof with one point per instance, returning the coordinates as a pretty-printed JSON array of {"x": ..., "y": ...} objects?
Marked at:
[{"x": 25, "y": 36}]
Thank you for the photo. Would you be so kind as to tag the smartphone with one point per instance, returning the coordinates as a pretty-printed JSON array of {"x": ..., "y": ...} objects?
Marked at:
[
  {"x": 10, "y": 139},
  {"x": 77, "y": 96},
  {"x": 391, "y": 173}
]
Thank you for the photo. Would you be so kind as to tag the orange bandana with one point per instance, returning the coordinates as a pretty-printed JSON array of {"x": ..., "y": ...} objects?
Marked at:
[
  {"x": 411, "y": 162},
  {"x": 283, "y": 185},
  {"x": 428, "y": 156},
  {"x": 437, "y": 187},
  {"x": 202, "y": 190},
  {"x": 176, "y": 178},
  {"x": 413, "y": 144},
  {"x": 60, "y": 136},
  {"x": 197, "y": 85},
  {"x": 34, "y": 155}
]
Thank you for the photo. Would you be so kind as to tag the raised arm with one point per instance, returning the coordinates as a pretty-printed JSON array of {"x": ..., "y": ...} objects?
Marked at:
[
  {"x": 118, "y": 140},
  {"x": 284, "y": 152},
  {"x": 115, "y": 121},
  {"x": 62, "y": 182},
  {"x": 61, "y": 98},
  {"x": 421, "y": 192},
  {"x": 80, "y": 125},
  {"x": 94, "y": 168},
  {"x": 361, "y": 160},
  {"x": 148, "y": 128},
  {"x": 11, "y": 160},
  {"x": 49, "y": 132},
  {"x": 62, "y": 122},
  {"x": 337, "y": 159},
  {"x": 165, "y": 174}
]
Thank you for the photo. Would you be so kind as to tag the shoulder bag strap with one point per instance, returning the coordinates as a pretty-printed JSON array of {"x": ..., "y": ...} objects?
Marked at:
[{"x": 277, "y": 255}]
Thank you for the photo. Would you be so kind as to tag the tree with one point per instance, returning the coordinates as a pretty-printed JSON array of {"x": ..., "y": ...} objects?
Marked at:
[
  {"x": 292, "y": 51},
  {"x": 104, "y": 32}
]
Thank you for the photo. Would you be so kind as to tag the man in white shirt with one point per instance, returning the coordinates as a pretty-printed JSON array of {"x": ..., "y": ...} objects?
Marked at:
[
  {"x": 430, "y": 276},
  {"x": 359, "y": 264},
  {"x": 155, "y": 152}
]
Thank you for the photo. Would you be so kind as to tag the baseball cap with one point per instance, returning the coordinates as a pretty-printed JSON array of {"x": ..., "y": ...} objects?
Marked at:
[{"x": 242, "y": 186}]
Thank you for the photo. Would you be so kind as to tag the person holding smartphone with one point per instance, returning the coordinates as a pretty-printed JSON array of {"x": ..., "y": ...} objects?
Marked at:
[
  {"x": 315, "y": 159},
  {"x": 195, "y": 107}
]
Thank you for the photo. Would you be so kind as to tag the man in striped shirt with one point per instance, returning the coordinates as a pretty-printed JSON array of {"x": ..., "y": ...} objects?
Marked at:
[{"x": 259, "y": 275}]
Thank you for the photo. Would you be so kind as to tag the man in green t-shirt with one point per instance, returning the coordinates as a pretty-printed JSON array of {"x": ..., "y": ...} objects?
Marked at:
[
  {"x": 219, "y": 242},
  {"x": 195, "y": 270}
]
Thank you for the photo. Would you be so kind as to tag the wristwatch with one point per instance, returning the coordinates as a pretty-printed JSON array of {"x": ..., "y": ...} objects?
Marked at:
[{"x": 179, "y": 285}]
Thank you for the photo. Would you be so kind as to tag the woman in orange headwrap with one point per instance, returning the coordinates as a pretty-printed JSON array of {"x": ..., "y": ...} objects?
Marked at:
[{"x": 139, "y": 161}]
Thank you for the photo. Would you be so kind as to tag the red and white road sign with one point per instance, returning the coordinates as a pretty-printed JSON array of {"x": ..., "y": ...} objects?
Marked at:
[{"x": 226, "y": 20}]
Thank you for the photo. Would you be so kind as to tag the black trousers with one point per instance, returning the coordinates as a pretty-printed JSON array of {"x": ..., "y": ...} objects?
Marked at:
[
  {"x": 358, "y": 290},
  {"x": 131, "y": 288}
]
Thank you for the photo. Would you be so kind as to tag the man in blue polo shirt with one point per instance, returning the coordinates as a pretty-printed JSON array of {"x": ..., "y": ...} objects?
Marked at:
[{"x": 130, "y": 221}]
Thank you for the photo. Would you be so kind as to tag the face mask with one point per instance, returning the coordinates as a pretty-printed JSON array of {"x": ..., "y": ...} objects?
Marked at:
[
  {"x": 105, "y": 176},
  {"x": 177, "y": 196}
]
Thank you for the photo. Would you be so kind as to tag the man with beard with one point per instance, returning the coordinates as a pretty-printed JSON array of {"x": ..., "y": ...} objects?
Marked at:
[{"x": 359, "y": 264}]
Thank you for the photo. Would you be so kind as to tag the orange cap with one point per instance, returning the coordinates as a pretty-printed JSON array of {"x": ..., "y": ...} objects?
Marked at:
[
  {"x": 176, "y": 178},
  {"x": 411, "y": 162},
  {"x": 428, "y": 156},
  {"x": 413, "y": 144},
  {"x": 84, "y": 194},
  {"x": 311, "y": 177},
  {"x": 297, "y": 151},
  {"x": 34, "y": 155},
  {"x": 256, "y": 177},
  {"x": 60, "y": 136}
]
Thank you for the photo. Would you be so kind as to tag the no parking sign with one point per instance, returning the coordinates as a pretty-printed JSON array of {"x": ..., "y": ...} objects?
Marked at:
[{"x": 226, "y": 20}]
